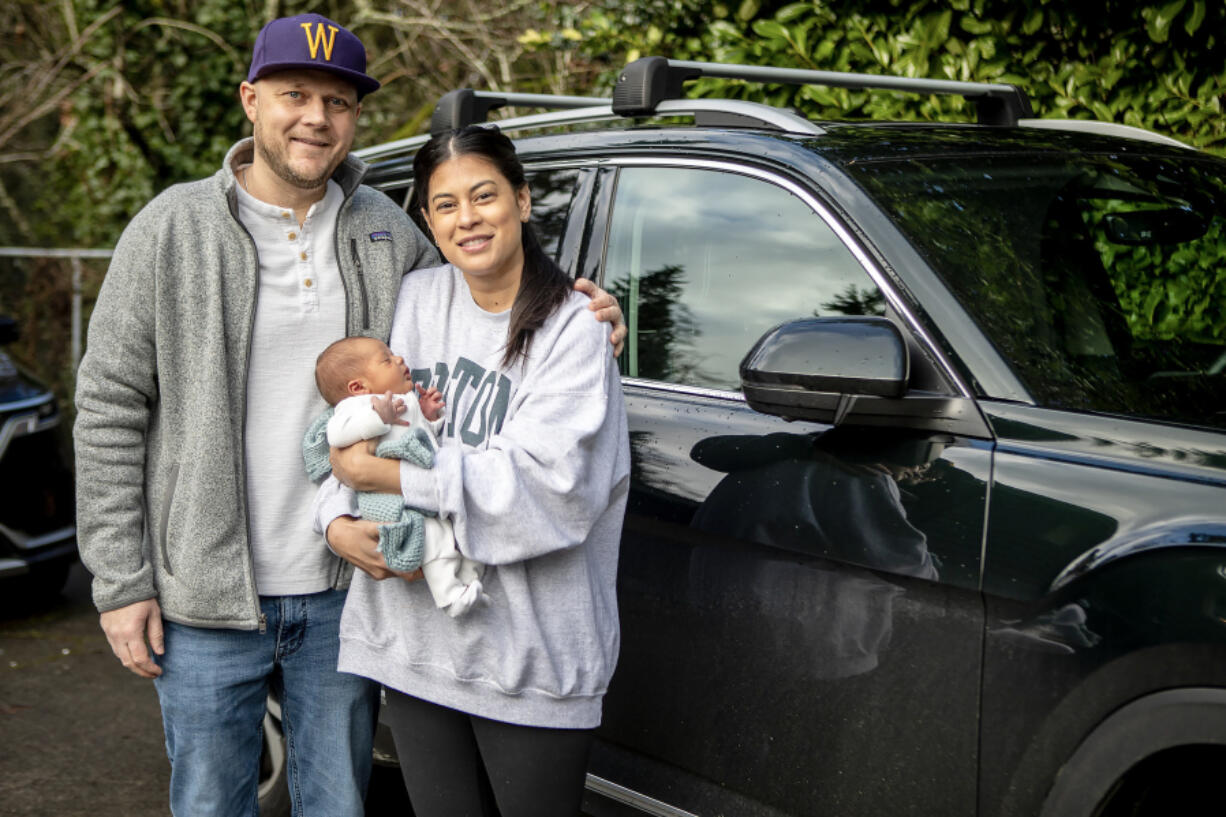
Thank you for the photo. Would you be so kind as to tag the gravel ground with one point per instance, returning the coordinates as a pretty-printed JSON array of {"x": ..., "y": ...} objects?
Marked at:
[{"x": 80, "y": 736}]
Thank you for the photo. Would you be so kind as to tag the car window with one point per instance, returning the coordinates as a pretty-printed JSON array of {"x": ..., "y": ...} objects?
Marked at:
[
  {"x": 552, "y": 191},
  {"x": 1098, "y": 277},
  {"x": 704, "y": 262}
]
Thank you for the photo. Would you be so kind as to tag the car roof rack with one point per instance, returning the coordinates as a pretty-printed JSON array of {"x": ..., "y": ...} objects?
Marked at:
[
  {"x": 464, "y": 106},
  {"x": 646, "y": 82},
  {"x": 1104, "y": 128},
  {"x": 455, "y": 110},
  {"x": 652, "y": 86}
]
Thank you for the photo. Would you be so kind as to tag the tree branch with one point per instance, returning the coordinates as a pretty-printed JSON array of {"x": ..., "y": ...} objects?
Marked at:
[{"x": 211, "y": 36}]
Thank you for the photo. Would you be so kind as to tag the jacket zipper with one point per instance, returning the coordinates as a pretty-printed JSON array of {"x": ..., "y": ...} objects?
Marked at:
[
  {"x": 353, "y": 249},
  {"x": 242, "y": 433},
  {"x": 357, "y": 263}
]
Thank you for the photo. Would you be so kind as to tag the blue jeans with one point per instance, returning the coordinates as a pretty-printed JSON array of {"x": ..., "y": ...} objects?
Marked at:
[{"x": 213, "y": 689}]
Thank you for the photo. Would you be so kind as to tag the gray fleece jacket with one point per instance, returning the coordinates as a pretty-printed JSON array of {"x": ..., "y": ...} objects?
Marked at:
[{"x": 161, "y": 390}]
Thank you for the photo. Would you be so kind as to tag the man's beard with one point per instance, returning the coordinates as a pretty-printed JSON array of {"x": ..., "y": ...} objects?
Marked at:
[{"x": 278, "y": 164}]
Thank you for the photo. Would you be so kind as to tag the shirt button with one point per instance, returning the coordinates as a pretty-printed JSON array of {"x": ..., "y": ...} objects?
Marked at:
[
  {"x": 292, "y": 236},
  {"x": 284, "y": 214},
  {"x": 302, "y": 256},
  {"x": 307, "y": 283}
]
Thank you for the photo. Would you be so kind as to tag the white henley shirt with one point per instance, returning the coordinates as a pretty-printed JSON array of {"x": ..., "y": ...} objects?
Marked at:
[{"x": 300, "y": 309}]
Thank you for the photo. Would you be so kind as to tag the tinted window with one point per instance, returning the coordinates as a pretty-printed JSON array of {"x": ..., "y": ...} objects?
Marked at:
[
  {"x": 552, "y": 191},
  {"x": 705, "y": 262},
  {"x": 1099, "y": 277}
]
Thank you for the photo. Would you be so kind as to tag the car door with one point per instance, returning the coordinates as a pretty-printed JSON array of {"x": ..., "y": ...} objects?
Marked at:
[
  {"x": 801, "y": 624},
  {"x": 1103, "y": 577}
]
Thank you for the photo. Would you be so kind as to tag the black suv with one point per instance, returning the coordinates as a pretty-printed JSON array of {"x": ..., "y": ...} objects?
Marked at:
[
  {"x": 38, "y": 534},
  {"x": 928, "y": 511}
]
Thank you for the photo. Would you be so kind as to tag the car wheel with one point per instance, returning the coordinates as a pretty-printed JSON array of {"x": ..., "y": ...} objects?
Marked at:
[
  {"x": 274, "y": 790},
  {"x": 1178, "y": 781}
]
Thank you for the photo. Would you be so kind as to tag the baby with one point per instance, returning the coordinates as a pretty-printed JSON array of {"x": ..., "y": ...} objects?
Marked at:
[{"x": 355, "y": 375}]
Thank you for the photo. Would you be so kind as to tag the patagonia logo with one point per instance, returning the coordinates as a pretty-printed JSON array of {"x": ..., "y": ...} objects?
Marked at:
[
  {"x": 314, "y": 41},
  {"x": 381, "y": 235}
]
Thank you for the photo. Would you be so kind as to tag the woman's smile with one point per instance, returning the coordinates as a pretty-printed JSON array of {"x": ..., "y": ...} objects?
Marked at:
[{"x": 476, "y": 243}]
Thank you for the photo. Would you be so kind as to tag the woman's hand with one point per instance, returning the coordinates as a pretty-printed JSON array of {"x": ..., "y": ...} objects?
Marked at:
[
  {"x": 359, "y": 468},
  {"x": 357, "y": 542},
  {"x": 607, "y": 310}
]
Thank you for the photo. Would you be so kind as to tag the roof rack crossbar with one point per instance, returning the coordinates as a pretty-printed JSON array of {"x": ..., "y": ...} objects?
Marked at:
[
  {"x": 464, "y": 106},
  {"x": 646, "y": 82},
  {"x": 748, "y": 112}
]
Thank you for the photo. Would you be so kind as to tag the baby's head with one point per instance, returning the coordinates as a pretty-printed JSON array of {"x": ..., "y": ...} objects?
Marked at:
[{"x": 360, "y": 366}]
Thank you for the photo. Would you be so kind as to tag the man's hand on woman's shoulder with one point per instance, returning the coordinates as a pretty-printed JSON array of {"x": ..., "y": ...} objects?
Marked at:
[{"x": 607, "y": 310}]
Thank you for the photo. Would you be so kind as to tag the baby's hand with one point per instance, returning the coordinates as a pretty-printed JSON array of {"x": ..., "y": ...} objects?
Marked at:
[
  {"x": 389, "y": 407},
  {"x": 431, "y": 402}
]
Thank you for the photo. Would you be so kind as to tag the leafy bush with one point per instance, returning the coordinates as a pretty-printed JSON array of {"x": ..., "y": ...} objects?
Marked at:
[{"x": 1153, "y": 65}]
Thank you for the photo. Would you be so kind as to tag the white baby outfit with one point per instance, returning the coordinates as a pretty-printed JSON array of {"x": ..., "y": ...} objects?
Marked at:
[{"x": 453, "y": 579}]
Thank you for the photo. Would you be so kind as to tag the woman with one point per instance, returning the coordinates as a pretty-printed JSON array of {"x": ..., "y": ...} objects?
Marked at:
[{"x": 497, "y": 706}]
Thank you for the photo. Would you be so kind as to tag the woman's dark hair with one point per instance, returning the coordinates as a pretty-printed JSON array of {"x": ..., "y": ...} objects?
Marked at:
[{"x": 543, "y": 285}]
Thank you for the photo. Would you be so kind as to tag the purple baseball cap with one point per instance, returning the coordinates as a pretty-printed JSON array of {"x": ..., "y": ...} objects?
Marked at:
[{"x": 311, "y": 41}]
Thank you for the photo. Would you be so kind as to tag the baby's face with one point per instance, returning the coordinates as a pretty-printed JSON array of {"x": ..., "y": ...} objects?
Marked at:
[{"x": 385, "y": 372}]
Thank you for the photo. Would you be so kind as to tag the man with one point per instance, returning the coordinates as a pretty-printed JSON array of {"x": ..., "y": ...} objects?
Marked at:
[{"x": 193, "y": 504}]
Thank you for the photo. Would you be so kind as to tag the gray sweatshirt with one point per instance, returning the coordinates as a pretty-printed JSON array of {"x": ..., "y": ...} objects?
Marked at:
[
  {"x": 533, "y": 470},
  {"x": 162, "y": 391}
]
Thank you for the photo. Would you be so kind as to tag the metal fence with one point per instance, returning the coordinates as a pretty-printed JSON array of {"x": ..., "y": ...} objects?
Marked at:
[{"x": 75, "y": 256}]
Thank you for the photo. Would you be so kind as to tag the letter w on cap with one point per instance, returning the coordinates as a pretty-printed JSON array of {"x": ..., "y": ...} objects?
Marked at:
[{"x": 319, "y": 38}]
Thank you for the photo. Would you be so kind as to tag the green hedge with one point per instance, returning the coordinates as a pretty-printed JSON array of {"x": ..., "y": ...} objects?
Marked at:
[{"x": 1160, "y": 66}]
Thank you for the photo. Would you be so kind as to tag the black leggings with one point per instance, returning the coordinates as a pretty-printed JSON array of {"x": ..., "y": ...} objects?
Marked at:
[{"x": 459, "y": 765}]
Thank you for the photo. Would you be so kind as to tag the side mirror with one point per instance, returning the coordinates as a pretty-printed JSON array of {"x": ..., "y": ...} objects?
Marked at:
[
  {"x": 809, "y": 368},
  {"x": 849, "y": 368}
]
